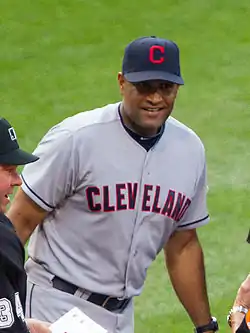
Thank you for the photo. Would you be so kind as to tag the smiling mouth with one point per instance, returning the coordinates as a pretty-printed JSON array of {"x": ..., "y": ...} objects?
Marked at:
[{"x": 152, "y": 109}]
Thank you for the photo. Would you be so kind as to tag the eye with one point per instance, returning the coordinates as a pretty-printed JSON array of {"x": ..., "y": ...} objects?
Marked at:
[
  {"x": 10, "y": 170},
  {"x": 142, "y": 87},
  {"x": 167, "y": 86}
]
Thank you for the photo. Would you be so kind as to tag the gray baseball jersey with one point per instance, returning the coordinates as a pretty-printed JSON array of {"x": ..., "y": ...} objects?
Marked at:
[{"x": 112, "y": 205}]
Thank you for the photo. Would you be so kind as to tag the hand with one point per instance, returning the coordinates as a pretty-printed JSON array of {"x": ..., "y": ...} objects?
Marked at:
[
  {"x": 236, "y": 320},
  {"x": 37, "y": 326},
  {"x": 243, "y": 295},
  {"x": 243, "y": 299}
]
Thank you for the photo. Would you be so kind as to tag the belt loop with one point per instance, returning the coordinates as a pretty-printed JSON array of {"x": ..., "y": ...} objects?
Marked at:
[{"x": 82, "y": 293}]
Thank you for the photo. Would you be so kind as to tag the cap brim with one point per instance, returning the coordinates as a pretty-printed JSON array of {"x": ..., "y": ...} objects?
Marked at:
[
  {"x": 153, "y": 75},
  {"x": 18, "y": 157}
]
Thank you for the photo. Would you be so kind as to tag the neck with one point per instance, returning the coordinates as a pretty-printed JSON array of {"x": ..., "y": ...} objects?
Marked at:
[{"x": 142, "y": 131}]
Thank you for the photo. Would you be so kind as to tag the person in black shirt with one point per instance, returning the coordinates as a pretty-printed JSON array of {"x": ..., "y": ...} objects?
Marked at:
[{"x": 12, "y": 255}]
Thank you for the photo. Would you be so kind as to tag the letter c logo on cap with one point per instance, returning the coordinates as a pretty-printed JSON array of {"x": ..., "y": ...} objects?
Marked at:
[{"x": 152, "y": 54}]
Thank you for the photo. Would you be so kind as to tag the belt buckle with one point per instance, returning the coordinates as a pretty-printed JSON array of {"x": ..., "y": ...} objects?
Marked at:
[
  {"x": 120, "y": 303},
  {"x": 106, "y": 301}
]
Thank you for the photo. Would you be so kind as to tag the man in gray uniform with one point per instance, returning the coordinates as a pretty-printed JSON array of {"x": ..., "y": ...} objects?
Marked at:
[{"x": 112, "y": 188}]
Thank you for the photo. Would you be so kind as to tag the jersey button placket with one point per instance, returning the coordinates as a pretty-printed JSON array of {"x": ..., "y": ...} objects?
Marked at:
[{"x": 138, "y": 222}]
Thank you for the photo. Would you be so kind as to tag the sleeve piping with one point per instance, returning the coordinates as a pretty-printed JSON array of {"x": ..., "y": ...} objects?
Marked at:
[
  {"x": 36, "y": 195},
  {"x": 193, "y": 222}
]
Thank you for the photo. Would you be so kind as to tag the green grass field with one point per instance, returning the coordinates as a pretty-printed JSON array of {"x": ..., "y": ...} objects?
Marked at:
[{"x": 61, "y": 57}]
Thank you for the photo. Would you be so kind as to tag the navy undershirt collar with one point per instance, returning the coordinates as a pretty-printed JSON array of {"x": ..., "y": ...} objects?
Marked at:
[{"x": 146, "y": 142}]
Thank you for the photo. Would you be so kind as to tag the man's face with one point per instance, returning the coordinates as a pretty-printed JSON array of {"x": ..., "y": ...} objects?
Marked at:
[
  {"x": 147, "y": 104},
  {"x": 9, "y": 178}
]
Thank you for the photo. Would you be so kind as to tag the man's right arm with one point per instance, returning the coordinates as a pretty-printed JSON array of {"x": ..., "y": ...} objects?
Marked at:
[{"x": 25, "y": 215}]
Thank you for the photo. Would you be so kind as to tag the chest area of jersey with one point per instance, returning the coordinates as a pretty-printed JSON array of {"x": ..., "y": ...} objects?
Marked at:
[{"x": 146, "y": 184}]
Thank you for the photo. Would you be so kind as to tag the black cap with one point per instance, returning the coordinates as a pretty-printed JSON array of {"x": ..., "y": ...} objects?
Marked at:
[
  {"x": 152, "y": 58},
  {"x": 10, "y": 153}
]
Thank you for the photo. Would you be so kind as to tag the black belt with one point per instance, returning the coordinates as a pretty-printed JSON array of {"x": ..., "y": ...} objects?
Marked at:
[{"x": 108, "y": 302}]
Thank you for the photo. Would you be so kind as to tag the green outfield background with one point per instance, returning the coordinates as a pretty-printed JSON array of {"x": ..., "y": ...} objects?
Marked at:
[{"x": 61, "y": 57}]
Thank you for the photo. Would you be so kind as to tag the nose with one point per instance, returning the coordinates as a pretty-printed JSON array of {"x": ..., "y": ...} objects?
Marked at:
[
  {"x": 154, "y": 98},
  {"x": 16, "y": 180}
]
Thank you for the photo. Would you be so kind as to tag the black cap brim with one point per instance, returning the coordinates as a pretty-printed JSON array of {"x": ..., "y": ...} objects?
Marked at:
[
  {"x": 153, "y": 75},
  {"x": 17, "y": 157},
  {"x": 248, "y": 237}
]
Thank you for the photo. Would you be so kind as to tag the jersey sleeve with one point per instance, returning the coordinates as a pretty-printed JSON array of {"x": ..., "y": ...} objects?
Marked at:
[
  {"x": 197, "y": 213},
  {"x": 50, "y": 180}
]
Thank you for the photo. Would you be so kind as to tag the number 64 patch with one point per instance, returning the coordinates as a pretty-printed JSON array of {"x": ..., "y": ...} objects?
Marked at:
[{"x": 6, "y": 313}]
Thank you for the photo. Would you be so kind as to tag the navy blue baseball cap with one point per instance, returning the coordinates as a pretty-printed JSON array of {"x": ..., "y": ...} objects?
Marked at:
[
  {"x": 10, "y": 152},
  {"x": 152, "y": 58}
]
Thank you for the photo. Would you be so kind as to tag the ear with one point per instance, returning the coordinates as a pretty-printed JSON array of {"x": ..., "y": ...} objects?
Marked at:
[
  {"x": 121, "y": 82},
  {"x": 177, "y": 86}
]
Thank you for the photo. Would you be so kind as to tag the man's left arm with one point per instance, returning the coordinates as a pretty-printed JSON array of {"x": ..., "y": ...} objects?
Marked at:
[
  {"x": 242, "y": 300},
  {"x": 185, "y": 264}
]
